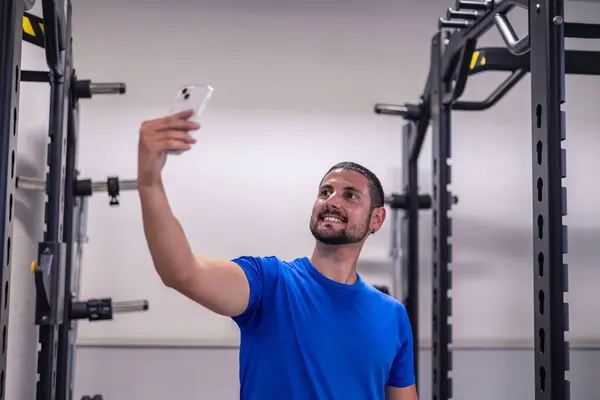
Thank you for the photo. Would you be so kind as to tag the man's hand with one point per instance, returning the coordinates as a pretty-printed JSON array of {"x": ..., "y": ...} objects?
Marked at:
[{"x": 157, "y": 138}]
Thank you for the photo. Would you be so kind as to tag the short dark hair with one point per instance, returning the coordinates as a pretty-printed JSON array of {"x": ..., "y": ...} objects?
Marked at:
[{"x": 375, "y": 187}]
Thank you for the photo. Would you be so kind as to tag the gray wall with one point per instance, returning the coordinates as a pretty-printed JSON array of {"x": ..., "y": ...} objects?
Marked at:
[
  {"x": 295, "y": 83},
  {"x": 294, "y": 89}
]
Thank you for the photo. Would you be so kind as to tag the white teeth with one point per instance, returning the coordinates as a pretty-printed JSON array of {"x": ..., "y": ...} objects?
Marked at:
[{"x": 333, "y": 219}]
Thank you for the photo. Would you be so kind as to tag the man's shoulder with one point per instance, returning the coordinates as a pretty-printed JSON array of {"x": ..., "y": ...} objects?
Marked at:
[
  {"x": 386, "y": 303},
  {"x": 271, "y": 262},
  {"x": 385, "y": 299},
  {"x": 281, "y": 262}
]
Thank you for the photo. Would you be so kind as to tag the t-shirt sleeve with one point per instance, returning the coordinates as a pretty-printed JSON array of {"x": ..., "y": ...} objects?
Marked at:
[
  {"x": 402, "y": 373},
  {"x": 261, "y": 273}
]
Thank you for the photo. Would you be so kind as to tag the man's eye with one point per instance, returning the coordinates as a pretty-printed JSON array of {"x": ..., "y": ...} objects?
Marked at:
[{"x": 352, "y": 196}]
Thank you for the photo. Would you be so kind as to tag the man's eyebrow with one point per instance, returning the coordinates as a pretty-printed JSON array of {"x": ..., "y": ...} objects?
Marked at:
[
  {"x": 352, "y": 189},
  {"x": 346, "y": 188}
]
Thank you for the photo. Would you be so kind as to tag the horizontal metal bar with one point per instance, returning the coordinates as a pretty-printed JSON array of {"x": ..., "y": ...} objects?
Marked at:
[
  {"x": 36, "y": 184},
  {"x": 86, "y": 89},
  {"x": 582, "y": 62},
  {"x": 578, "y": 30},
  {"x": 577, "y": 62},
  {"x": 129, "y": 306},
  {"x": 497, "y": 59},
  {"x": 126, "y": 184},
  {"x": 107, "y": 88},
  {"x": 464, "y": 15},
  {"x": 493, "y": 98},
  {"x": 477, "y": 5},
  {"x": 35, "y": 76},
  {"x": 391, "y": 109}
]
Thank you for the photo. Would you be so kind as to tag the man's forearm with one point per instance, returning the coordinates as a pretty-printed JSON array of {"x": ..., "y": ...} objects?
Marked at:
[{"x": 170, "y": 250}]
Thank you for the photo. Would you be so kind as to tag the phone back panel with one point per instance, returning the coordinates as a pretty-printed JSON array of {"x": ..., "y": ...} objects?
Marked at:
[{"x": 194, "y": 97}]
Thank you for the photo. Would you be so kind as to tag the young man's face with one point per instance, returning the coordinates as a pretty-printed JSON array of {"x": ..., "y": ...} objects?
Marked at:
[{"x": 342, "y": 212}]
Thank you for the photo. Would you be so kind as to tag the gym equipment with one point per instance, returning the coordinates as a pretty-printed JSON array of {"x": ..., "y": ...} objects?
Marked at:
[
  {"x": 405, "y": 272},
  {"x": 56, "y": 270},
  {"x": 84, "y": 187},
  {"x": 455, "y": 57}
]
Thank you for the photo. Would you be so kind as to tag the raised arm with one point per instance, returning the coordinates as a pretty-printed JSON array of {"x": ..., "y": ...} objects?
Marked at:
[{"x": 217, "y": 284}]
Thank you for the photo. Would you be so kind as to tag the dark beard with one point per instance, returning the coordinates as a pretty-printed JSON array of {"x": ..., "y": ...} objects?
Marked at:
[{"x": 337, "y": 238}]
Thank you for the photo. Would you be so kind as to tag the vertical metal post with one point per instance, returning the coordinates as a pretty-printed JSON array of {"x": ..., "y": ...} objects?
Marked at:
[
  {"x": 66, "y": 352},
  {"x": 410, "y": 237},
  {"x": 546, "y": 19},
  {"x": 11, "y": 15},
  {"x": 442, "y": 251},
  {"x": 53, "y": 246}
]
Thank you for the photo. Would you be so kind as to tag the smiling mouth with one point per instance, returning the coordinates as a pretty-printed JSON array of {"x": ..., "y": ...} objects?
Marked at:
[{"x": 332, "y": 219}]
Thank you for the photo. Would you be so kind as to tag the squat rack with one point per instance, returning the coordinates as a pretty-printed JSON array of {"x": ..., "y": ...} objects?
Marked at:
[
  {"x": 56, "y": 269},
  {"x": 454, "y": 57}
]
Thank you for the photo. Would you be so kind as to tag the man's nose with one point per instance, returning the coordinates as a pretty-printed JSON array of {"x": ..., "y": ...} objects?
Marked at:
[{"x": 334, "y": 201}]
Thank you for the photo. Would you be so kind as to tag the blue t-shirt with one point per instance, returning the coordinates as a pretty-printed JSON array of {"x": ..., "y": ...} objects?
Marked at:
[{"x": 306, "y": 337}]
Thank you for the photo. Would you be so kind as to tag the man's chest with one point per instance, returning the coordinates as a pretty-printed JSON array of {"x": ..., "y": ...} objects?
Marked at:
[{"x": 346, "y": 332}]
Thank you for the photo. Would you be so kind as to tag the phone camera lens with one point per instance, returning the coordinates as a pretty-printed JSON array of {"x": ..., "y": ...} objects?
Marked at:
[
  {"x": 184, "y": 91},
  {"x": 186, "y": 96}
]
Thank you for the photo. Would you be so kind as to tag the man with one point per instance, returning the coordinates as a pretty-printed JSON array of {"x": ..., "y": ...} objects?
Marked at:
[{"x": 311, "y": 328}]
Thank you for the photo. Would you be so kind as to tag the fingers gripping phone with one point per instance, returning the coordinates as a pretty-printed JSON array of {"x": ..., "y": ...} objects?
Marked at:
[{"x": 192, "y": 97}]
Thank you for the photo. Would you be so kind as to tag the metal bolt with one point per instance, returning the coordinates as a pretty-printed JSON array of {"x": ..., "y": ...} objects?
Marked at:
[{"x": 558, "y": 20}]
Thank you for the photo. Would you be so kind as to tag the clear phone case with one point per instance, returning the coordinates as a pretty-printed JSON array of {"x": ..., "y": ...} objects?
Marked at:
[{"x": 194, "y": 97}]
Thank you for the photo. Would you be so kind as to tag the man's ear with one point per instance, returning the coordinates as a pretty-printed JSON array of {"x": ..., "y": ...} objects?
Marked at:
[{"x": 378, "y": 218}]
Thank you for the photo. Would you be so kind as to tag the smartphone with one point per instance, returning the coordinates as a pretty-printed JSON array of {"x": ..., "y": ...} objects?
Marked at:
[{"x": 192, "y": 97}]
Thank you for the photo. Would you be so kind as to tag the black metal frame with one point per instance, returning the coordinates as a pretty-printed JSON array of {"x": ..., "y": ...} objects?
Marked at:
[
  {"x": 453, "y": 60},
  {"x": 67, "y": 331},
  {"x": 11, "y": 12},
  {"x": 59, "y": 255},
  {"x": 410, "y": 204},
  {"x": 546, "y": 27},
  {"x": 409, "y": 227},
  {"x": 50, "y": 311},
  {"x": 441, "y": 274}
]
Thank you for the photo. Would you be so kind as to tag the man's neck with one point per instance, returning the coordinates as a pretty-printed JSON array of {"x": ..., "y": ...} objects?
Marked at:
[{"x": 337, "y": 263}]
